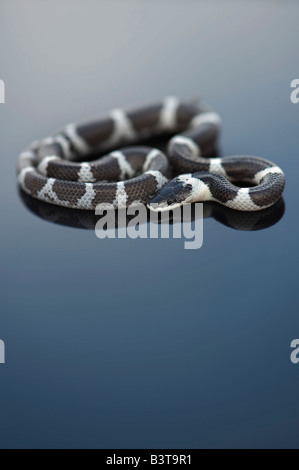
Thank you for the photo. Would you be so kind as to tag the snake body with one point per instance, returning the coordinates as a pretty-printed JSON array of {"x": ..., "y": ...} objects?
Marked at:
[{"x": 52, "y": 169}]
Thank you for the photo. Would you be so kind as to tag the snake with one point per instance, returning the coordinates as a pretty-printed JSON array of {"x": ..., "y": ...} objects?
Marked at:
[{"x": 101, "y": 163}]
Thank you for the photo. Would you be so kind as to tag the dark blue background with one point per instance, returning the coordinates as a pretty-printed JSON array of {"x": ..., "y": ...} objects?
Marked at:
[{"x": 140, "y": 343}]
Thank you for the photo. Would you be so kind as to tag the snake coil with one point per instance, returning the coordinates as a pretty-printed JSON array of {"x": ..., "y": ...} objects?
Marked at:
[{"x": 52, "y": 169}]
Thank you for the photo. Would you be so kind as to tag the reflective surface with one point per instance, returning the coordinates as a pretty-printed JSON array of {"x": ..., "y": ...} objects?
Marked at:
[{"x": 140, "y": 343}]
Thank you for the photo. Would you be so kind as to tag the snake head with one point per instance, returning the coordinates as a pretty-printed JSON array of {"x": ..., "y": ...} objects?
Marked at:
[{"x": 174, "y": 194}]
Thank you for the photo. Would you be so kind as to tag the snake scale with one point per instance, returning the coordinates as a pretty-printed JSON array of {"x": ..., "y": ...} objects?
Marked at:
[{"x": 53, "y": 170}]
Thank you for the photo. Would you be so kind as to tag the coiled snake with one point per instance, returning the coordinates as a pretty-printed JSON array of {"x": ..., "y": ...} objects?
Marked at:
[{"x": 52, "y": 170}]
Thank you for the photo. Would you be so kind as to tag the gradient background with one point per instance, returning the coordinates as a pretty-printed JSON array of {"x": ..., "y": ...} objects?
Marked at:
[{"x": 140, "y": 343}]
